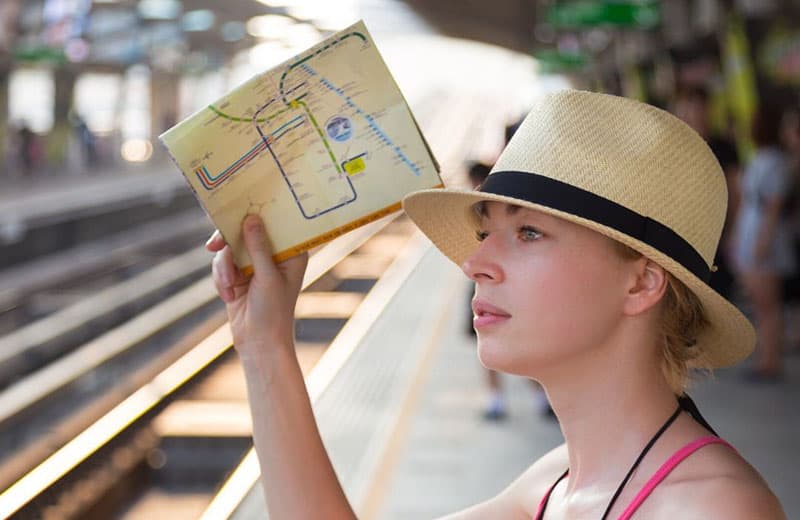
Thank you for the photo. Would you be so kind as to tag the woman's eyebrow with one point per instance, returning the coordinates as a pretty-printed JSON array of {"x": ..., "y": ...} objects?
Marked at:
[{"x": 483, "y": 213}]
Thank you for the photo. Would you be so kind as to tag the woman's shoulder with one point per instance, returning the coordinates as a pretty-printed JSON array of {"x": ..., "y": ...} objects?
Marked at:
[
  {"x": 531, "y": 486},
  {"x": 715, "y": 482}
]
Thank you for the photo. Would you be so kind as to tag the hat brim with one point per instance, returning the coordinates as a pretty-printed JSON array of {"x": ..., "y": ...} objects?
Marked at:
[{"x": 447, "y": 217}]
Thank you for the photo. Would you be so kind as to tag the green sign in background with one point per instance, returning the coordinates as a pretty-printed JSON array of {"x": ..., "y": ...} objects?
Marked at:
[
  {"x": 591, "y": 13},
  {"x": 551, "y": 61}
]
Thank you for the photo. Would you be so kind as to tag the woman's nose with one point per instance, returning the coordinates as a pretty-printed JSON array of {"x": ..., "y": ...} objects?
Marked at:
[{"x": 483, "y": 264}]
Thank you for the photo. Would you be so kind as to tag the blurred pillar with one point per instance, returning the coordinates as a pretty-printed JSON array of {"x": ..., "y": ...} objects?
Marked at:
[
  {"x": 5, "y": 75},
  {"x": 676, "y": 22},
  {"x": 164, "y": 103},
  {"x": 9, "y": 16},
  {"x": 58, "y": 140}
]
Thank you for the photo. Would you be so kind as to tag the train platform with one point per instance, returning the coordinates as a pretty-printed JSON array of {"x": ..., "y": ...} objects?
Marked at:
[
  {"x": 45, "y": 196},
  {"x": 403, "y": 424},
  {"x": 48, "y": 214}
]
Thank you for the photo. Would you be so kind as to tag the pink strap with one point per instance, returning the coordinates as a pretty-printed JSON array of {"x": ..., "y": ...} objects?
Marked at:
[
  {"x": 542, "y": 503},
  {"x": 666, "y": 468},
  {"x": 546, "y": 497}
]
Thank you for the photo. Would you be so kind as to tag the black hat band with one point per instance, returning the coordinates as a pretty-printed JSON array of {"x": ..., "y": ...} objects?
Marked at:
[{"x": 558, "y": 195}]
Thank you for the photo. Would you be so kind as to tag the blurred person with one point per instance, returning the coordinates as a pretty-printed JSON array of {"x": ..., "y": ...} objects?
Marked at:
[
  {"x": 790, "y": 137},
  {"x": 590, "y": 243},
  {"x": 763, "y": 249},
  {"x": 693, "y": 107},
  {"x": 86, "y": 139},
  {"x": 496, "y": 408},
  {"x": 28, "y": 149}
]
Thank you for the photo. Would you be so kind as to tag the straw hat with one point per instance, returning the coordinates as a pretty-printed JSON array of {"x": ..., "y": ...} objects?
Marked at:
[{"x": 623, "y": 168}]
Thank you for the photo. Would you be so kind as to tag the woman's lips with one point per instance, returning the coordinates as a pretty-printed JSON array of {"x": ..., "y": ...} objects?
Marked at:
[{"x": 486, "y": 314}]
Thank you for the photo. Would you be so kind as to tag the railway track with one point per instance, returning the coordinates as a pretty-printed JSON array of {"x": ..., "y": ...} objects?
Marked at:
[
  {"x": 46, "y": 284},
  {"x": 152, "y": 413},
  {"x": 153, "y": 430}
]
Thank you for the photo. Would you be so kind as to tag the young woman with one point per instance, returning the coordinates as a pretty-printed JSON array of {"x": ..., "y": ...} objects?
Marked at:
[{"x": 590, "y": 246}]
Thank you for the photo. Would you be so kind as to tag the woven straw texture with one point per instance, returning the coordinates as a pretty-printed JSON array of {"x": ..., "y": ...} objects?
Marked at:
[{"x": 631, "y": 153}]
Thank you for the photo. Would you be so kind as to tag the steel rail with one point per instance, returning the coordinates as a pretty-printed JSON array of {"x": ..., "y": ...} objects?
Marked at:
[{"x": 46, "y": 474}]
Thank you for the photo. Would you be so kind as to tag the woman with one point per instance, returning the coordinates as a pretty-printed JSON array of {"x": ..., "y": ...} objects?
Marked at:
[
  {"x": 764, "y": 250},
  {"x": 589, "y": 245}
]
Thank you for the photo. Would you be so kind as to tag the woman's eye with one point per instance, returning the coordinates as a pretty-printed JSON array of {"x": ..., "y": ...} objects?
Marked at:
[
  {"x": 528, "y": 233},
  {"x": 481, "y": 235}
]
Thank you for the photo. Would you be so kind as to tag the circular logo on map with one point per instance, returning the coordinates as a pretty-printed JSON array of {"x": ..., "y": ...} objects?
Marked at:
[{"x": 339, "y": 128}]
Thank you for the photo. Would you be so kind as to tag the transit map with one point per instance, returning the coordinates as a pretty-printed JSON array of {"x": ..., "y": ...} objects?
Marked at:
[{"x": 319, "y": 145}]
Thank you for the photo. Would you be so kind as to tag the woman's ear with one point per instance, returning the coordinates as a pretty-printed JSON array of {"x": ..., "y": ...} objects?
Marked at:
[{"x": 648, "y": 285}]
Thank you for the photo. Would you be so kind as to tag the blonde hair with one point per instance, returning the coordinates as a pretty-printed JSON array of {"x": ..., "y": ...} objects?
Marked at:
[{"x": 682, "y": 320}]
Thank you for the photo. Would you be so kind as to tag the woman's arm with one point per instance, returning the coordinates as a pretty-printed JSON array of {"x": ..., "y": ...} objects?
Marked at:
[
  {"x": 296, "y": 473},
  {"x": 297, "y": 476}
]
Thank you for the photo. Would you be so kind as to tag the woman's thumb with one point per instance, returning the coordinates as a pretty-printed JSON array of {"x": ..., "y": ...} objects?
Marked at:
[{"x": 257, "y": 244}]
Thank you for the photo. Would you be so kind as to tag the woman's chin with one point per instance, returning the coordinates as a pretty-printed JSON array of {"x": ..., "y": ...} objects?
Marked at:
[
  {"x": 494, "y": 357},
  {"x": 509, "y": 359}
]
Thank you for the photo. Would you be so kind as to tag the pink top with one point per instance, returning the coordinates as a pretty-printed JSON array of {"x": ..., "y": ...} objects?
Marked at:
[{"x": 665, "y": 469}]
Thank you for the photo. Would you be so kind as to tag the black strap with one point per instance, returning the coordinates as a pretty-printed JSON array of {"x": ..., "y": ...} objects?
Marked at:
[
  {"x": 555, "y": 194},
  {"x": 685, "y": 404},
  {"x": 689, "y": 407},
  {"x": 649, "y": 445}
]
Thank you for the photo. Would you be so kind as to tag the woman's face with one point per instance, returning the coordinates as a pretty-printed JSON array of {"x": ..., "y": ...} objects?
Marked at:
[{"x": 546, "y": 289}]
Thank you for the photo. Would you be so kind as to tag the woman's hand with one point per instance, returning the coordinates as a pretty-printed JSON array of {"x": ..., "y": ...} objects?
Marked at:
[{"x": 260, "y": 307}]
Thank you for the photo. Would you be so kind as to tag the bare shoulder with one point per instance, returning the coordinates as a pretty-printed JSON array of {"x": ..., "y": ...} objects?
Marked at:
[
  {"x": 716, "y": 482},
  {"x": 735, "y": 498},
  {"x": 530, "y": 487}
]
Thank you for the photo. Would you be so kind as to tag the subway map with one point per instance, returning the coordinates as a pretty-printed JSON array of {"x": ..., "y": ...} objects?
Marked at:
[{"x": 319, "y": 145}]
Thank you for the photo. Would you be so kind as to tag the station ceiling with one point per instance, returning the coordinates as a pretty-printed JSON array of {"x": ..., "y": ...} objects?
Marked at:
[
  {"x": 118, "y": 33},
  {"x": 506, "y": 23}
]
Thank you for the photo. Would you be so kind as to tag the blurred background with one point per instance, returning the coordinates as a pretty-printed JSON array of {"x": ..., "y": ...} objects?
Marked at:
[
  {"x": 119, "y": 396},
  {"x": 88, "y": 85}
]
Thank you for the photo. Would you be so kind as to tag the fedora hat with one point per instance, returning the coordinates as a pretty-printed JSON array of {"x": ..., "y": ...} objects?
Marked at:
[{"x": 623, "y": 168}]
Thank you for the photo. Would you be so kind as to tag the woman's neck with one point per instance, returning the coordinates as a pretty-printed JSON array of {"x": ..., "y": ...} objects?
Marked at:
[{"x": 608, "y": 410}]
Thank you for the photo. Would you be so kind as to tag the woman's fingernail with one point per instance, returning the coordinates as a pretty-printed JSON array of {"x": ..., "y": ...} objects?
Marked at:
[{"x": 212, "y": 238}]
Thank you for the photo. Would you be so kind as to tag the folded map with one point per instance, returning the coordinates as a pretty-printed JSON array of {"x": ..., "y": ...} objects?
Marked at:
[{"x": 319, "y": 145}]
